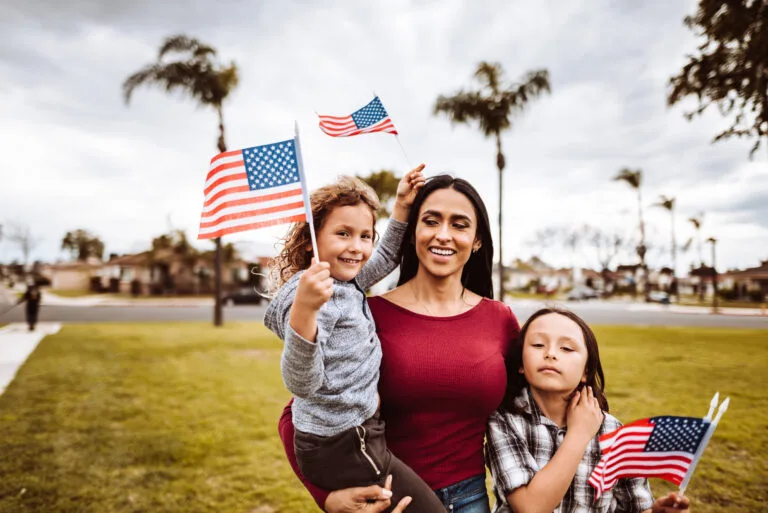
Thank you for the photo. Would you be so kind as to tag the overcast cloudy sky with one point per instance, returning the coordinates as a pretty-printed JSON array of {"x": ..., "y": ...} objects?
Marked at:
[{"x": 76, "y": 157}]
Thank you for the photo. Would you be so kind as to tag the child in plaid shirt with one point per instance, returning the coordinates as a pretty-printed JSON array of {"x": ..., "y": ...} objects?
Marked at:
[{"x": 542, "y": 444}]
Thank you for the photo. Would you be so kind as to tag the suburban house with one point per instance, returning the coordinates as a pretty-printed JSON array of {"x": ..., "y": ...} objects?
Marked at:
[
  {"x": 749, "y": 283},
  {"x": 144, "y": 274}
]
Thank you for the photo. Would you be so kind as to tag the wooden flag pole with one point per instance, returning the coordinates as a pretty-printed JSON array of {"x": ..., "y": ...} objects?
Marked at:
[
  {"x": 397, "y": 137},
  {"x": 305, "y": 193},
  {"x": 703, "y": 444},
  {"x": 410, "y": 166}
]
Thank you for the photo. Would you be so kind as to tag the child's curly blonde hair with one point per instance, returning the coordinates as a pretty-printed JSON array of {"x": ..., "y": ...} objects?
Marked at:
[{"x": 297, "y": 250}]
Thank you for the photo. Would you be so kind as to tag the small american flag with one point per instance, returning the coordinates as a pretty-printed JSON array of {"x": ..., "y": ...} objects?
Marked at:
[
  {"x": 662, "y": 447},
  {"x": 371, "y": 118},
  {"x": 252, "y": 188}
]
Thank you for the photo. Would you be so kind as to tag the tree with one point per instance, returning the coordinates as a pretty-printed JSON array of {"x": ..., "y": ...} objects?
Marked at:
[
  {"x": 606, "y": 243},
  {"x": 635, "y": 180},
  {"x": 206, "y": 81},
  {"x": 730, "y": 67},
  {"x": 21, "y": 235},
  {"x": 492, "y": 107},
  {"x": 81, "y": 245},
  {"x": 384, "y": 183},
  {"x": 668, "y": 204},
  {"x": 697, "y": 221}
]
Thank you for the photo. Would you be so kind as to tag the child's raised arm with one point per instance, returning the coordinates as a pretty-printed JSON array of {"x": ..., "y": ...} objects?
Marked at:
[
  {"x": 514, "y": 469},
  {"x": 385, "y": 259}
]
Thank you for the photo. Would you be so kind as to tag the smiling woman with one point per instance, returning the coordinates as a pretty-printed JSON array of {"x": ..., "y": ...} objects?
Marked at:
[{"x": 443, "y": 344}]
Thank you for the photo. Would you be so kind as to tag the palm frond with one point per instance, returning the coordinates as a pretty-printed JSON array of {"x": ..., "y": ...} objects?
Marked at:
[
  {"x": 633, "y": 178},
  {"x": 490, "y": 74},
  {"x": 492, "y": 106},
  {"x": 535, "y": 84},
  {"x": 183, "y": 43},
  {"x": 665, "y": 202}
]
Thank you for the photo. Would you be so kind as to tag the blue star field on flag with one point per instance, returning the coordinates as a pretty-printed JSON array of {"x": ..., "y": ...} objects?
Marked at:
[
  {"x": 370, "y": 114},
  {"x": 676, "y": 434},
  {"x": 271, "y": 165}
]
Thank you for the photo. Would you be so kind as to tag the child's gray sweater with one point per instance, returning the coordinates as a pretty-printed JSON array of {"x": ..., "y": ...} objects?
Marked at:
[{"x": 334, "y": 380}]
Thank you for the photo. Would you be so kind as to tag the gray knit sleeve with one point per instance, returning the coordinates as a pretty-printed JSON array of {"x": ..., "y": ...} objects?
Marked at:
[
  {"x": 385, "y": 258},
  {"x": 301, "y": 363}
]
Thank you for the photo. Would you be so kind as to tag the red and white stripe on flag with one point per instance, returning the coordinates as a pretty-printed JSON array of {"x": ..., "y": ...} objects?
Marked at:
[
  {"x": 239, "y": 197},
  {"x": 624, "y": 454},
  {"x": 344, "y": 126}
]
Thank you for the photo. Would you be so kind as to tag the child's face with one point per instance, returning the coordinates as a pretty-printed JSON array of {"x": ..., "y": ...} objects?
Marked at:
[
  {"x": 554, "y": 354},
  {"x": 346, "y": 240}
]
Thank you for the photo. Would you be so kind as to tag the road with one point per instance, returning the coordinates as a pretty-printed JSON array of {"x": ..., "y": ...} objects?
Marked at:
[{"x": 636, "y": 314}]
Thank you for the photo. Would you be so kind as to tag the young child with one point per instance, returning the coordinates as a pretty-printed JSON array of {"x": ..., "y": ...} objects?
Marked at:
[
  {"x": 542, "y": 444},
  {"x": 331, "y": 357}
]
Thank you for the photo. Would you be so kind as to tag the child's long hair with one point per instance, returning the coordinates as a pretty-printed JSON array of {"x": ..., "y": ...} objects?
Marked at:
[
  {"x": 594, "y": 369},
  {"x": 297, "y": 251}
]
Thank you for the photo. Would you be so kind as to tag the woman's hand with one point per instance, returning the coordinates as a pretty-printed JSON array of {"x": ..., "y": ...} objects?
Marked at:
[
  {"x": 406, "y": 192},
  {"x": 370, "y": 499},
  {"x": 672, "y": 503},
  {"x": 584, "y": 416}
]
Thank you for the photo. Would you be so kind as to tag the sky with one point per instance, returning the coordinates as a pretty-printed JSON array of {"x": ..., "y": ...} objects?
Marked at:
[{"x": 77, "y": 157}]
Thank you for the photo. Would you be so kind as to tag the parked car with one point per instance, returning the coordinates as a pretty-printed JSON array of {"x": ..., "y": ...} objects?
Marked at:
[
  {"x": 582, "y": 293},
  {"x": 658, "y": 296},
  {"x": 243, "y": 295}
]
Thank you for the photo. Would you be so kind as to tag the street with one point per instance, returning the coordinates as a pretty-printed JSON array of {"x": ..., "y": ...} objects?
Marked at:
[{"x": 597, "y": 312}]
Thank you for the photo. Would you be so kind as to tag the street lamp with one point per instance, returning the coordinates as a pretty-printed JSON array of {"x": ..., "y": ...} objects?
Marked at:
[{"x": 713, "y": 241}]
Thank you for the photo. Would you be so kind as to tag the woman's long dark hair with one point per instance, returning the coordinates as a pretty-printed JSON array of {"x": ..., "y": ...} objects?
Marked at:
[
  {"x": 594, "y": 369},
  {"x": 476, "y": 275}
]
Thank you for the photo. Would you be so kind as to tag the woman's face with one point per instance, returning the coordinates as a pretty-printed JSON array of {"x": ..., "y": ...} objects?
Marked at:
[{"x": 445, "y": 233}]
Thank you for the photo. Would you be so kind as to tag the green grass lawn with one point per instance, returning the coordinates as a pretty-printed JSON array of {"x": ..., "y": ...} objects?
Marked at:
[{"x": 181, "y": 418}]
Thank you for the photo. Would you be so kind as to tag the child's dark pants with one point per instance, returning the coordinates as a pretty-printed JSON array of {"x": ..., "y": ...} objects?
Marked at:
[{"x": 359, "y": 457}]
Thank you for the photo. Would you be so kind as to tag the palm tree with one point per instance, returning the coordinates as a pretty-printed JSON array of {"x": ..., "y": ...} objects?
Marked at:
[
  {"x": 207, "y": 81},
  {"x": 635, "y": 180},
  {"x": 697, "y": 221},
  {"x": 492, "y": 107},
  {"x": 668, "y": 204}
]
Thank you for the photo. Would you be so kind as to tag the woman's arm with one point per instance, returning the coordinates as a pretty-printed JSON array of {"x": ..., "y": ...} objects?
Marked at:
[{"x": 371, "y": 499}]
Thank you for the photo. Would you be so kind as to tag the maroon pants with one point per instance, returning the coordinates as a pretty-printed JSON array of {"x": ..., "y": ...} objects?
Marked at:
[{"x": 359, "y": 457}]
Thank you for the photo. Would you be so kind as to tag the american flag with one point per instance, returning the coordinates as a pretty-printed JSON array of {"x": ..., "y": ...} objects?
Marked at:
[
  {"x": 252, "y": 188},
  {"x": 662, "y": 447},
  {"x": 371, "y": 118}
]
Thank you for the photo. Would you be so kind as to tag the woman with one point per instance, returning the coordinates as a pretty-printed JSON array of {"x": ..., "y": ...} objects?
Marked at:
[{"x": 444, "y": 342}]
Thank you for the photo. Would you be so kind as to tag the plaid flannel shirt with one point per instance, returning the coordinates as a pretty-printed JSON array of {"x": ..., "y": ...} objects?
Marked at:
[{"x": 519, "y": 445}]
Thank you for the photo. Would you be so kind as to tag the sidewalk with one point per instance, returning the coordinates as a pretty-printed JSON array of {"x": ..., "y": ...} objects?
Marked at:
[
  {"x": 16, "y": 344},
  {"x": 110, "y": 300},
  {"x": 638, "y": 306}
]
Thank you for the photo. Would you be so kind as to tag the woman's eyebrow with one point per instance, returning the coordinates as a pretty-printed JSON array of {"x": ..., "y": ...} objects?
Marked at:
[{"x": 455, "y": 217}]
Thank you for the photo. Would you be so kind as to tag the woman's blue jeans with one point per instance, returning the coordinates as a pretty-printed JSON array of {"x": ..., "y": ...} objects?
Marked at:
[{"x": 468, "y": 496}]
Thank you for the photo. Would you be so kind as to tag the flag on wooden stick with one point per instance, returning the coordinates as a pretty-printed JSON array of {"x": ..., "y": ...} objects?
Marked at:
[{"x": 665, "y": 447}]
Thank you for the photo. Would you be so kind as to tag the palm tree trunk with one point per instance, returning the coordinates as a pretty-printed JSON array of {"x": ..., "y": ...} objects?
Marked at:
[
  {"x": 218, "y": 317},
  {"x": 500, "y": 163},
  {"x": 642, "y": 248},
  {"x": 674, "y": 254}
]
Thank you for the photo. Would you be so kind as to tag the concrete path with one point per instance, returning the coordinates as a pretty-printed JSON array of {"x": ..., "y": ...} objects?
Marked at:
[{"x": 16, "y": 344}]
